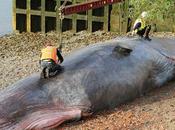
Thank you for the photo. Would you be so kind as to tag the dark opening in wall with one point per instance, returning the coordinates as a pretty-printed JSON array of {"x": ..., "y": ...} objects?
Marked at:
[
  {"x": 21, "y": 4},
  {"x": 21, "y": 22},
  {"x": 97, "y": 26},
  {"x": 50, "y": 24},
  {"x": 67, "y": 24},
  {"x": 68, "y": 3},
  {"x": 35, "y": 23},
  {"x": 35, "y": 4},
  {"x": 50, "y": 5},
  {"x": 82, "y": 13},
  {"x": 98, "y": 12},
  {"x": 109, "y": 17},
  {"x": 81, "y": 25}
]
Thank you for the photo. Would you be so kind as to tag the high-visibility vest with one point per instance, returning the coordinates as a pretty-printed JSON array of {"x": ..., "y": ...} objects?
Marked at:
[
  {"x": 49, "y": 53},
  {"x": 142, "y": 21}
]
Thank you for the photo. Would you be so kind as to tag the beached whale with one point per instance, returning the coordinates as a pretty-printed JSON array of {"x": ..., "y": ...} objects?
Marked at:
[{"x": 95, "y": 78}]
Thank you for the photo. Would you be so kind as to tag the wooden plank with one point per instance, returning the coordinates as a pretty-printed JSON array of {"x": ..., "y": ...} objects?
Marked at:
[
  {"x": 90, "y": 20},
  {"x": 68, "y": 16},
  {"x": 35, "y": 12},
  {"x": 74, "y": 20},
  {"x": 106, "y": 18},
  {"x": 43, "y": 16},
  {"x": 97, "y": 19},
  {"x": 21, "y": 11},
  {"x": 14, "y": 16},
  {"x": 123, "y": 16},
  {"x": 115, "y": 18},
  {"x": 50, "y": 14},
  {"x": 81, "y": 17},
  {"x": 28, "y": 17},
  {"x": 126, "y": 13},
  {"x": 58, "y": 22}
]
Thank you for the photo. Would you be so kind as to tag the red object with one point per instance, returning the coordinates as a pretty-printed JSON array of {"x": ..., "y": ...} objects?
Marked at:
[{"x": 71, "y": 9}]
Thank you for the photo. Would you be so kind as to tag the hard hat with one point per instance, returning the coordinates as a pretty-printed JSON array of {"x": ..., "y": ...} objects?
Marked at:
[{"x": 144, "y": 14}]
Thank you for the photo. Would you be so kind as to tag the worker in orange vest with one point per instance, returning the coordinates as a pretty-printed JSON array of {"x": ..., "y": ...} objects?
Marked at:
[{"x": 50, "y": 61}]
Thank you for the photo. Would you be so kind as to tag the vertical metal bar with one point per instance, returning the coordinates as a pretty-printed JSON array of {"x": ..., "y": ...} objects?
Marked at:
[
  {"x": 74, "y": 20},
  {"x": 28, "y": 17},
  {"x": 106, "y": 18},
  {"x": 14, "y": 15},
  {"x": 43, "y": 19}
]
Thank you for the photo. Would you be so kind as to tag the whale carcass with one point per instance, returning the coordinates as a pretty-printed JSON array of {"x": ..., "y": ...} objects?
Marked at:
[{"x": 95, "y": 78}]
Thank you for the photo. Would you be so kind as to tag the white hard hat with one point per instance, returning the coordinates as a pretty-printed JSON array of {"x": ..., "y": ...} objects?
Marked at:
[{"x": 144, "y": 14}]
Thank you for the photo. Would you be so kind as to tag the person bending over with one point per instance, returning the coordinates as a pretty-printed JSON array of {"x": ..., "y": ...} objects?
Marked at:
[
  {"x": 50, "y": 61},
  {"x": 141, "y": 28}
]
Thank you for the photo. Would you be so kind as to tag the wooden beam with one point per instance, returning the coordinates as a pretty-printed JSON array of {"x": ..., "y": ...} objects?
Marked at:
[
  {"x": 97, "y": 19},
  {"x": 74, "y": 20},
  {"x": 81, "y": 17},
  {"x": 43, "y": 24},
  {"x": 58, "y": 22},
  {"x": 21, "y": 11},
  {"x": 14, "y": 16},
  {"x": 90, "y": 20},
  {"x": 28, "y": 17},
  {"x": 50, "y": 14},
  {"x": 106, "y": 18},
  {"x": 35, "y": 12}
]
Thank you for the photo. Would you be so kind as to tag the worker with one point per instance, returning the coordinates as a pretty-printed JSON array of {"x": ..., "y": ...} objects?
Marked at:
[
  {"x": 141, "y": 28},
  {"x": 50, "y": 61}
]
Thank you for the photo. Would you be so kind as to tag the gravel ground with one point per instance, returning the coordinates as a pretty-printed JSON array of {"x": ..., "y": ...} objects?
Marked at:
[{"x": 19, "y": 54}]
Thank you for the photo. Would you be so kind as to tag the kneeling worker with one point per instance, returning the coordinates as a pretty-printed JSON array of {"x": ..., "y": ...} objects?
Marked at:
[
  {"x": 50, "y": 61},
  {"x": 141, "y": 28}
]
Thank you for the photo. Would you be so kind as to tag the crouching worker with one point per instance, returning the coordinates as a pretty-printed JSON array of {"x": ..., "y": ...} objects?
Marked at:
[
  {"x": 50, "y": 61},
  {"x": 141, "y": 28}
]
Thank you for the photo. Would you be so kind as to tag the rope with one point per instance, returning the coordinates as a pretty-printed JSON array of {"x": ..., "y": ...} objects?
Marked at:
[{"x": 61, "y": 20}]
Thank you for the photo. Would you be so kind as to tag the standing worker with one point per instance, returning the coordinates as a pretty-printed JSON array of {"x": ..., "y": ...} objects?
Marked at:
[
  {"x": 50, "y": 61},
  {"x": 141, "y": 28}
]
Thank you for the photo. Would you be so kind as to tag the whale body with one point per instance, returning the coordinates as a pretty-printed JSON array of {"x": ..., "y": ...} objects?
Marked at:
[{"x": 95, "y": 78}]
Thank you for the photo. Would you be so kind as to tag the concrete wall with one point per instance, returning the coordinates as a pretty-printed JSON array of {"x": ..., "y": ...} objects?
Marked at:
[{"x": 5, "y": 17}]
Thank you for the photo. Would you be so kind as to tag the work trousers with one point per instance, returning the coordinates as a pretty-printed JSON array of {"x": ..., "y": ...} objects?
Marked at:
[{"x": 145, "y": 31}]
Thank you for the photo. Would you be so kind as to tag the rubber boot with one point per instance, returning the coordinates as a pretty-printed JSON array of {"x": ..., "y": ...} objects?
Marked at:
[
  {"x": 43, "y": 73},
  {"x": 147, "y": 38},
  {"x": 47, "y": 73},
  {"x": 148, "y": 29}
]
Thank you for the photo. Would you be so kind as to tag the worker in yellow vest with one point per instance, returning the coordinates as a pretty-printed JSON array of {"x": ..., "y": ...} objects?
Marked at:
[
  {"x": 141, "y": 28},
  {"x": 50, "y": 61}
]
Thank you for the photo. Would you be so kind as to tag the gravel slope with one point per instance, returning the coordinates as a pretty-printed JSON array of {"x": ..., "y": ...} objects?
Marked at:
[{"x": 19, "y": 54}]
